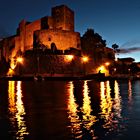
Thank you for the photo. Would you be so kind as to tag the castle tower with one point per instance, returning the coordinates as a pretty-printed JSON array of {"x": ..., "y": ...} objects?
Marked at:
[{"x": 63, "y": 18}]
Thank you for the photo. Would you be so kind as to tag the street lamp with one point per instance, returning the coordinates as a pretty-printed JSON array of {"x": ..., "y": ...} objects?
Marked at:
[
  {"x": 107, "y": 64},
  {"x": 107, "y": 67},
  {"x": 85, "y": 59},
  {"x": 69, "y": 58}
]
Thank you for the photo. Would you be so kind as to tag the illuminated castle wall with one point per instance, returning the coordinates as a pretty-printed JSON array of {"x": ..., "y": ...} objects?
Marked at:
[{"x": 57, "y": 28}]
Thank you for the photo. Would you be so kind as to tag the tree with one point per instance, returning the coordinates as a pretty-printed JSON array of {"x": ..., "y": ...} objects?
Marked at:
[
  {"x": 91, "y": 40},
  {"x": 115, "y": 47},
  {"x": 89, "y": 34},
  {"x": 93, "y": 45}
]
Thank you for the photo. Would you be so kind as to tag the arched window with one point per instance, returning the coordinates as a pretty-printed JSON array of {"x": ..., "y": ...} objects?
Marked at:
[{"x": 53, "y": 47}]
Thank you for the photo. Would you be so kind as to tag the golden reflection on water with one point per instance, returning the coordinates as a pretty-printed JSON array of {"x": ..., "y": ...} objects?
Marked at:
[
  {"x": 73, "y": 116},
  {"x": 130, "y": 91},
  {"x": 106, "y": 101},
  {"x": 110, "y": 108},
  {"x": 117, "y": 101},
  {"x": 12, "y": 101},
  {"x": 87, "y": 119},
  {"x": 86, "y": 109},
  {"x": 83, "y": 118},
  {"x": 11, "y": 91},
  {"x": 16, "y": 108}
]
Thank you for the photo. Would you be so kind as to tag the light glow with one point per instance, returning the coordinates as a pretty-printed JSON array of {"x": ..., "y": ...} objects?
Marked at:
[
  {"x": 102, "y": 69},
  {"x": 13, "y": 64},
  {"x": 20, "y": 59},
  {"x": 10, "y": 72},
  {"x": 107, "y": 63},
  {"x": 85, "y": 59},
  {"x": 69, "y": 58}
]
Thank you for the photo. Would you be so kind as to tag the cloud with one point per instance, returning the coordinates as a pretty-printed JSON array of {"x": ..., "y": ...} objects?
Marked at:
[
  {"x": 129, "y": 50},
  {"x": 129, "y": 47}
]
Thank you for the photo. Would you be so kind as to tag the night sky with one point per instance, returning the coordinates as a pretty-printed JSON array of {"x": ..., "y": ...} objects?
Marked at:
[{"x": 117, "y": 21}]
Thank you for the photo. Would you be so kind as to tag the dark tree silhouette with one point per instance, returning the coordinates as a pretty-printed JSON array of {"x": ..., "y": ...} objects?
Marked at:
[
  {"x": 91, "y": 40},
  {"x": 88, "y": 34},
  {"x": 93, "y": 45},
  {"x": 115, "y": 47}
]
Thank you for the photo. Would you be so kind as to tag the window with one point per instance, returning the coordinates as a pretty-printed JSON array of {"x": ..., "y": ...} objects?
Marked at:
[{"x": 49, "y": 38}]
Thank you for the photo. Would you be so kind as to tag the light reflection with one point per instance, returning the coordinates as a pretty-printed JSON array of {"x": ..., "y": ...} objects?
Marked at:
[
  {"x": 130, "y": 91},
  {"x": 16, "y": 108},
  {"x": 117, "y": 101},
  {"x": 22, "y": 129},
  {"x": 73, "y": 116},
  {"x": 106, "y": 101},
  {"x": 110, "y": 107},
  {"x": 110, "y": 110},
  {"x": 69, "y": 58},
  {"x": 11, "y": 98},
  {"x": 88, "y": 119}
]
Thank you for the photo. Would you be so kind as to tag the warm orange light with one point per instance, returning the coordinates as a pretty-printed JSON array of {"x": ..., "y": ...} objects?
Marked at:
[
  {"x": 86, "y": 109},
  {"x": 20, "y": 59},
  {"x": 107, "y": 63},
  {"x": 101, "y": 69},
  {"x": 85, "y": 59},
  {"x": 11, "y": 97},
  {"x": 106, "y": 102},
  {"x": 22, "y": 128},
  {"x": 72, "y": 110},
  {"x": 12, "y": 64},
  {"x": 69, "y": 57},
  {"x": 10, "y": 72}
]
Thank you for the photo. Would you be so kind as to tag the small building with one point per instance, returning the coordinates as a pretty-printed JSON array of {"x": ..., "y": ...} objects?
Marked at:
[{"x": 127, "y": 61}]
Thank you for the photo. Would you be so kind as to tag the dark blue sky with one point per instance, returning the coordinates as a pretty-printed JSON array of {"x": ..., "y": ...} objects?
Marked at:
[{"x": 117, "y": 21}]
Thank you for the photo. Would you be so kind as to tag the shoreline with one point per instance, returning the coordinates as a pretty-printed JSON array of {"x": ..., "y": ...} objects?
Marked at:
[{"x": 98, "y": 77}]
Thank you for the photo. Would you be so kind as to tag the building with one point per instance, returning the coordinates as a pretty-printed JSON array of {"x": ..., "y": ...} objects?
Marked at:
[
  {"x": 53, "y": 32},
  {"x": 45, "y": 43}
]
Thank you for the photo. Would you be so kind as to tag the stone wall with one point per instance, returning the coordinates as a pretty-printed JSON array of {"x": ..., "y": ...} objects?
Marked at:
[
  {"x": 53, "y": 64},
  {"x": 62, "y": 39},
  {"x": 27, "y": 34},
  {"x": 8, "y": 44},
  {"x": 63, "y": 18}
]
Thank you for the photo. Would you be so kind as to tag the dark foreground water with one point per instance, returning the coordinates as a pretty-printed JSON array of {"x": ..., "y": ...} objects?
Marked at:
[{"x": 60, "y": 110}]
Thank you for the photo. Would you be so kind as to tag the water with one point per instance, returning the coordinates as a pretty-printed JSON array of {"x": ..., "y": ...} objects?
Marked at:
[{"x": 69, "y": 110}]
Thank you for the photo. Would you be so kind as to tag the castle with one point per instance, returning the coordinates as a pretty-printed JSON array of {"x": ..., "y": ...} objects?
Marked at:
[
  {"x": 46, "y": 44},
  {"x": 51, "y": 32}
]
